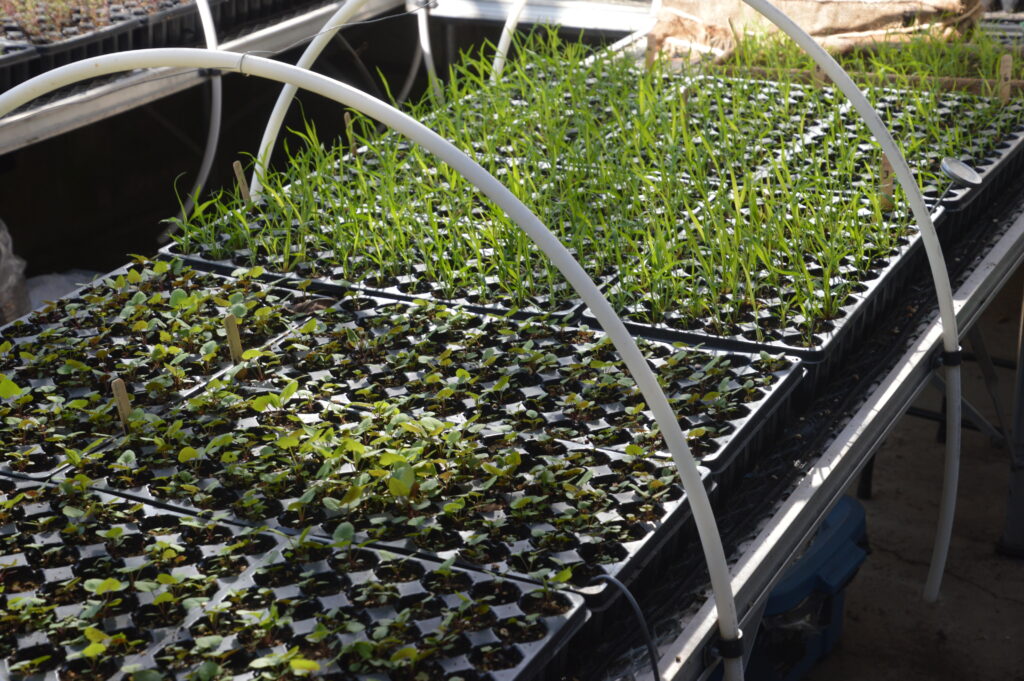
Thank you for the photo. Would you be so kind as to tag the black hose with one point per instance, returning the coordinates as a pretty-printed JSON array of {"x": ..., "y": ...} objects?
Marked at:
[{"x": 652, "y": 651}]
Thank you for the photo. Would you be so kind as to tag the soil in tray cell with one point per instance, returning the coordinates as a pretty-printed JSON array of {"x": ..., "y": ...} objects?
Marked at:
[
  {"x": 91, "y": 580},
  {"x": 159, "y": 327}
]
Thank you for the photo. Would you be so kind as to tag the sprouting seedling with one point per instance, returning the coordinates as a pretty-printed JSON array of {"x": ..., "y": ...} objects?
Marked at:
[{"x": 274, "y": 400}]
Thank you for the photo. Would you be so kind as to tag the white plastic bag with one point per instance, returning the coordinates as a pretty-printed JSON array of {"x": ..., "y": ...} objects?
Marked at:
[{"x": 13, "y": 292}]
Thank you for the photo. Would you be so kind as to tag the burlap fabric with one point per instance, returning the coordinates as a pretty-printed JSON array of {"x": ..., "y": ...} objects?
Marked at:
[{"x": 703, "y": 28}]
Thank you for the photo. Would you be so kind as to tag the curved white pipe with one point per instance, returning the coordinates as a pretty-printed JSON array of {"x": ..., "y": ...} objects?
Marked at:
[
  {"x": 423, "y": 27},
  {"x": 950, "y": 334},
  {"x": 507, "y": 31},
  {"x": 410, "y": 77},
  {"x": 284, "y": 100},
  {"x": 214, "y": 119},
  {"x": 548, "y": 243}
]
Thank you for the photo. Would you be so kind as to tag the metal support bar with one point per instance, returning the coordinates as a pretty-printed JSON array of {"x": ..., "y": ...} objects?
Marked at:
[
  {"x": 988, "y": 372},
  {"x": 971, "y": 412}
]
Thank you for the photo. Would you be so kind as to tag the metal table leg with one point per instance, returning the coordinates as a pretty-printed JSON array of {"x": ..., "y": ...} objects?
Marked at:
[{"x": 988, "y": 372}]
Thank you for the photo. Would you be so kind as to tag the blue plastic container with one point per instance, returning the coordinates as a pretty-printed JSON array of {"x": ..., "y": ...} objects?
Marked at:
[{"x": 803, "y": 619}]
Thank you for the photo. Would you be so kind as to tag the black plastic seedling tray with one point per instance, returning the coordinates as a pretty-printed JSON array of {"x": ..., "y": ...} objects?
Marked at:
[
  {"x": 78, "y": 559},
  {"x": 862, "y": 310},
  {"x": 81, "y": 380},
  {"x": 103, "y": 583},
  {"x": 522, "y": 529},
  {"x": 405, "y": 288}
]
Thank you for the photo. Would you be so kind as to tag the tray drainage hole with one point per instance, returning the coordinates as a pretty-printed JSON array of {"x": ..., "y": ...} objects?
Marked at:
[
  {"x": 20, "y": 578},
  {"x": 484, "y": 552},
  {"x": 206, "y": 534},
  {"x": 422, "y": 606},
  {"x": 277, "y": 575},
  {"x": 307, "y": 552}
]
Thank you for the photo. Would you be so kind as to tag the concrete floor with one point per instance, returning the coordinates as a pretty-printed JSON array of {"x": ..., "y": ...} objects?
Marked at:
[{"x": 976, "y": 630}]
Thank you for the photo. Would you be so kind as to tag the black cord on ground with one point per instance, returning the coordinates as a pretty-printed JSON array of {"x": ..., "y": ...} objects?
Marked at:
[{"x": 652, "y": 651}]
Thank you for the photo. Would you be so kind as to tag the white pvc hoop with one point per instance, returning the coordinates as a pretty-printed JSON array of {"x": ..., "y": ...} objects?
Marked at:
[{"x": 936, "y": 262}]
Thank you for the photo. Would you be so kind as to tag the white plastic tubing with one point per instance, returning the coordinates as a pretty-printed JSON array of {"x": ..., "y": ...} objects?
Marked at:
[
  {"x": 216, "y": 107},
  {"x": 284, "y": 100},
  {"x": 423, "y": 26},
  {"x": 494, "y": 190},
  {"x": 950, "y": 334},
  {"x": 507, "y": 31}
]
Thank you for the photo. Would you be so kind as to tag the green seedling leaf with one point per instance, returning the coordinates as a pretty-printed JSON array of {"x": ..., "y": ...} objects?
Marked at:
[
  {"x": 187, "y": 454},
  {"x": 208, "y": 670},
  {"x": 103, "y": 586},
  {"x": 207, "y": 642},
  {"x": 344, "y": 533},
  {"x": 264, "y": 662},
  {"x": 261, "y": 403},
  {"x": 113, "y": 533},
  {"x": 288, "y": 441},
  {"x": 163, "y": 597},
  {"x": 8, "y": 388},
  {"x": 301, "y": 664},
  {"x": 288, "y": 391},
  {"x": 94, "y": 635},
  {"x": 179, "y": 298},
  {"x": 563, "y": 575},
  {"x": 352, "y": 495},
  {"x": 93, "y": 650},
  {"x": 144, "y": 674},
  {"x": 406, "y": 653}
]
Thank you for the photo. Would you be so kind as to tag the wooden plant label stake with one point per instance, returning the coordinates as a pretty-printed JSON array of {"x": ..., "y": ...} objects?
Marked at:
[
  {"x": 243, "y": 186},
  {"x": 234, "y": 340},
  {"x": 349, "y": 134},
  {"x": 886, "y": 188},
  {"x": 1005, "y": 71},
  {"x": 124, "y": 406}
]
